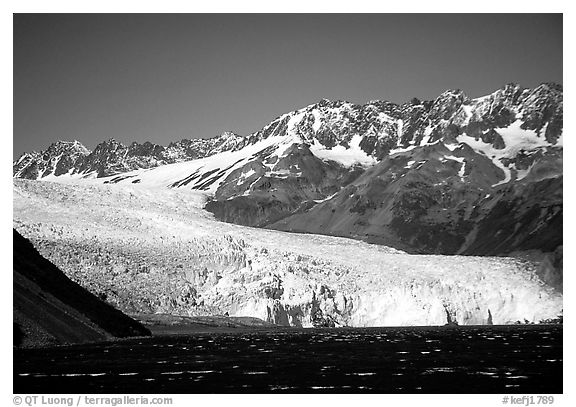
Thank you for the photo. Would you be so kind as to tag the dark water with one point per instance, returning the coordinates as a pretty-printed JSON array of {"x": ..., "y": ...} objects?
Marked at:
[{"x": 507, "y": 359}]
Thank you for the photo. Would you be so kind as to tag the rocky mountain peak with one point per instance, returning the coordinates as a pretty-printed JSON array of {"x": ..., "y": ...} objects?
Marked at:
[
  {"x": 333, "y": 104},
  {"x": 457, "y": 93},
  {"x": 110, "y": 144},
  {"x": 551, "y": 87},
  {"x": 145, "y": 149},
  {"x": 447, "y": 104},
  {"x": 323, "y": 103},
  {"x": 58, "y": 159},
  {"x": 229, "y": 135},
  {"x": 60, "y": 147}
]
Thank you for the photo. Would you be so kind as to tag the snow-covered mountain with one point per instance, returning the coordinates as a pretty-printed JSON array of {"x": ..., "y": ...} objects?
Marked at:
[
  {"x": 155, "y": 250},
  {"x": 502, "y": 124},
  {"x": 453, "y": 175},
  {"x": 111, "y": 157}
]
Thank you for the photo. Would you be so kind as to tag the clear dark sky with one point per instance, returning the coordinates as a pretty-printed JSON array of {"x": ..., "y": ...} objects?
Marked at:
[{"x": 162, "y": 78}]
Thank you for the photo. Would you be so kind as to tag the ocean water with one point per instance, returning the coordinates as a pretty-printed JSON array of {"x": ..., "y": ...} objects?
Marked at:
[{"x": 475, "y": 359}]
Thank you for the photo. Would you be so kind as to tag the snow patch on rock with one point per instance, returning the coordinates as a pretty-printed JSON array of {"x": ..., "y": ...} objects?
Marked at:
[{"x": 346, "y": 156}]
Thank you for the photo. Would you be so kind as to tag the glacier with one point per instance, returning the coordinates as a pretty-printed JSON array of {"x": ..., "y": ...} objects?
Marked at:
[{"x": 150, "y": 249}]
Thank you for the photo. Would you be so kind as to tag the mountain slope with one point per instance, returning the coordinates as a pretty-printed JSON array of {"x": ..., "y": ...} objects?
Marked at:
[
  {"x": 49, "y": 308},
  {"x": 422, "y": 201}
]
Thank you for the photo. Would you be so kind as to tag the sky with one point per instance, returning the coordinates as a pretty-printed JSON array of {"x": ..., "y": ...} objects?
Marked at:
[{"x": 165, "y": 77}]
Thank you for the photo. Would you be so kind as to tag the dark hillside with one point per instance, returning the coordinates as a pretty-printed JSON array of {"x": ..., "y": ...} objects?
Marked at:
[{"x": 49, "y": 308}]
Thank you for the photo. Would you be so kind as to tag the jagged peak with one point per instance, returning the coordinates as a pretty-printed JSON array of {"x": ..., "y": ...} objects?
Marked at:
[
  {"x": 515, "y": 88},
  {"x": 510, "y": 89},
  {"x": 146, "y": 143},
  {"x": 108, "y": 145},
  {"x": 383, "y": 105},
  {"x": 554, "y": 86},
  {"x": 330, "y": 103},
  {"x": 378, "y": 102},
  {"x": 414, "y": 101},
  {"x": 32, "y": 155},
  {"x": 450, "y": 93},
  {"x": 548, "y": 87},
  {"x": 224, "y": 135},
  {"x": 512, "y": 85},
  {"x": 229, "y": 134},
  {"x": 65, "y": 142},
  {"x": 66, "y": 145},
  {"x": 110, "y": 142}
]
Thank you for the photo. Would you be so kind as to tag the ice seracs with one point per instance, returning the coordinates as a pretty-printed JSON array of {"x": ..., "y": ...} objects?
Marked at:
[{"x": 146, "y": 251}]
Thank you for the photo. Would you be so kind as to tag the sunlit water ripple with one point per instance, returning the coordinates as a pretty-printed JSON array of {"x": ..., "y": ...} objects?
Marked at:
[{"x": 344, "y": 360}]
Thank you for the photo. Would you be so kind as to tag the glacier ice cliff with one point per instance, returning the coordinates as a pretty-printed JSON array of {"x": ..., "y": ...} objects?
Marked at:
[{"x": 157, "y": 251}]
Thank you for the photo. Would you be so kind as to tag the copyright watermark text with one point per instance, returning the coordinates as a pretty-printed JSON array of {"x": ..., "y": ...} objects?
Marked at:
[{"x": 83, "y": 400}]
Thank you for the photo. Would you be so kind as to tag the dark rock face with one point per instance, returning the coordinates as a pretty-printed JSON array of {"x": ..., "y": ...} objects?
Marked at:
[
  {"x": 50, "y": 309},
  {"x": 264, "y": 196},
  {"x": 428, "y": 208}
]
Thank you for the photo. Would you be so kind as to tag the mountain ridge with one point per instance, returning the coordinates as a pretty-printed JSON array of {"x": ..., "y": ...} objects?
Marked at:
[
  {"x": 411, "y": 174},
  {"x": 199, "y": 148}
]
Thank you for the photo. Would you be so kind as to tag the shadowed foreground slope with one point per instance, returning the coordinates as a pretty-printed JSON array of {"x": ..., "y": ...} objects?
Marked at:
[{"x": 49, "y": 308}]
